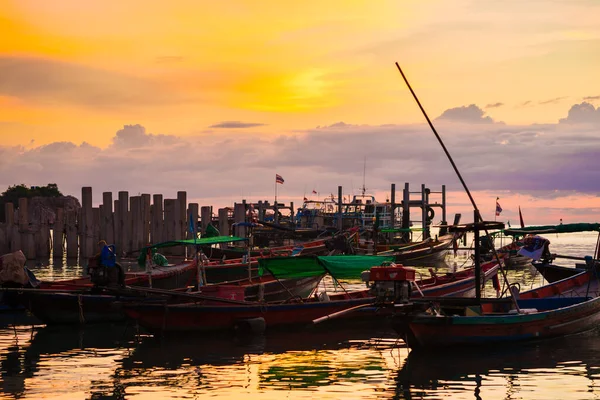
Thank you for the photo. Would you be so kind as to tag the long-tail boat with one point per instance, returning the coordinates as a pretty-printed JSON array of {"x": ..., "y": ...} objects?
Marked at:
[
  {"x": 563, "y": 307},
  {"x": 200, "y": 316}
]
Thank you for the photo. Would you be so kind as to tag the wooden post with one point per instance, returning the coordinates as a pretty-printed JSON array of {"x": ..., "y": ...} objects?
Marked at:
[
  {"x": 23, "y": 215},
  {"x": 9, "y": 217},
  {"x": 86, "y": 230},
  {"x": 4, "y": 244},
  {"x": 205, "y": 217},
  {"x": 42, "y": 240},
  {"x": 145, "y": 219},
  {"x": 71, "y": 234},
  {"x": 182, "y": 200},
  {"x": 406, "y": 212},
  {"x": 424, "y": 207},
  {"x": 261, "y": 211},
  {"x": 58, "y": 232},
  {"x": 239, "y": 215},
  {"x": 15, "y": 241},
  {"x": 27, "y": 241},
  {"x": 180, "y": 222},
  {"x": 170, "y": 222},
  {"x": 96, "y": 217},
  {"x": 135, "y": 203},
  {"x": 340, "y": 224},
  {"x": 107, "y": 227},
  {"x": 223, "y": 224},
  {"x": 444, "y": 220},
  {"x": 157, "y": 228},
  {"x": 192, "y": 213},
  {"x": 392, "y": 211},
  {"x": 117, "y": 234},
  {"x": 124, "y": 223}
]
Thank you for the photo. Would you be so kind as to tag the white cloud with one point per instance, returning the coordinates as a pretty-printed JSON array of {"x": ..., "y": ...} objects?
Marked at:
[{"x": 540, "y": 159}]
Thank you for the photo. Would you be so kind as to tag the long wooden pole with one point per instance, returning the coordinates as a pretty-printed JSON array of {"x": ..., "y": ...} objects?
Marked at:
[{"x": 477, "y": 214}]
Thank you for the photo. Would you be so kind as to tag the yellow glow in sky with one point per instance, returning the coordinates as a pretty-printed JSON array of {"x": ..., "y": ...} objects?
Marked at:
[{"x": 178, "y": 67}]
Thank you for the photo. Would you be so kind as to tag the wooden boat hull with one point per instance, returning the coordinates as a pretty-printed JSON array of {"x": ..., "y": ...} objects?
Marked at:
[
  {"x": 53, "y": 307},
  {"x": 553, "y": 273},
  {"x": 564, "y": 315},
  {"x": 428, "y": 253},
  {"x": 204, "y": 318}
]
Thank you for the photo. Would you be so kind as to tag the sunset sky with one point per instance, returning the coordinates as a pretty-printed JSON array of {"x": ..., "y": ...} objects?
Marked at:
[{"x": 216, "y": 97}]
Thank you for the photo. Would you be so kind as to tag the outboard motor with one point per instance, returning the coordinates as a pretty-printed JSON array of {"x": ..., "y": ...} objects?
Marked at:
[{"x": 391, "y": 282}]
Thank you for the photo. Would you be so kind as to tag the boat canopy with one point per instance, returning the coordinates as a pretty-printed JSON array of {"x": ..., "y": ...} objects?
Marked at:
[
  {"x": 561, "y": 228},
  {"x": 340, "y": 267},
  {"x": 195, "y": 242}
]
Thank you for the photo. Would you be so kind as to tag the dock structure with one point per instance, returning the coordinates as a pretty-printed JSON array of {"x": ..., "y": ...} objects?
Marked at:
[
  {"x": 132, "y": 222},
  {"x": 129, "y": 222}
]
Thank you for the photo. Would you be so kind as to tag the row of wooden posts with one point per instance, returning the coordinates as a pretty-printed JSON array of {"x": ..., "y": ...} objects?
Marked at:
[{"x": 129, "y": 222}]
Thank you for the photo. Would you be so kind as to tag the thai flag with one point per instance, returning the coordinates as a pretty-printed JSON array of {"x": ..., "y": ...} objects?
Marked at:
[
  {"x": 498, "y": 208},
  {"x": 278, "y": 179}
]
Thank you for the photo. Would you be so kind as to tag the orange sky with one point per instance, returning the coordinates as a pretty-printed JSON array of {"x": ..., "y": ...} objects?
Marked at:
[
  {"x": 199, "y": 71},
  {"x": 177, "y": 67}
]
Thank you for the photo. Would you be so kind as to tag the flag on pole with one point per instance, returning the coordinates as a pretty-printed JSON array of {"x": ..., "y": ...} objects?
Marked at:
[
  {"x": 498, "y": 208},
  {"x": 521, "y": 218},
  {"x": 278, "y": 179}
]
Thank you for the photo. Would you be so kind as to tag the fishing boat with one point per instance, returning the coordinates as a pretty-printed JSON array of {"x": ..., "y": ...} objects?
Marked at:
[
  {"x": 498, "y": 322},
  {"x": 430, "y": 251},
  {"x": 486, "y": 321},
  {"x": 53, "y": 306},
  {"x": 202, "y": 317}
]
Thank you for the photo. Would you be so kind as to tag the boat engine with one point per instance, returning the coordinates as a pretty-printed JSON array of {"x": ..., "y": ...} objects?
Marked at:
[{"x": 391, "y": 282}]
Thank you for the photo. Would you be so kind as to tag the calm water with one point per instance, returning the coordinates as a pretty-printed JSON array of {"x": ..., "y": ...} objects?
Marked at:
[{"x": 112, "y": 362}]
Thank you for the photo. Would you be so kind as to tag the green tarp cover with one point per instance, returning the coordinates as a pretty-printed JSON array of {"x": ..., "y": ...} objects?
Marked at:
[
  {"x": 340, "y": 267},
  {"x": 207, "y": 241},
  {"x": 394, "y": 230},
  {"x": 561, "y": 228}
]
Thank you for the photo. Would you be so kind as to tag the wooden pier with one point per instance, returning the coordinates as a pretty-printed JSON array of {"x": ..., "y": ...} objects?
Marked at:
[{"x": 131, "y": 222}]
